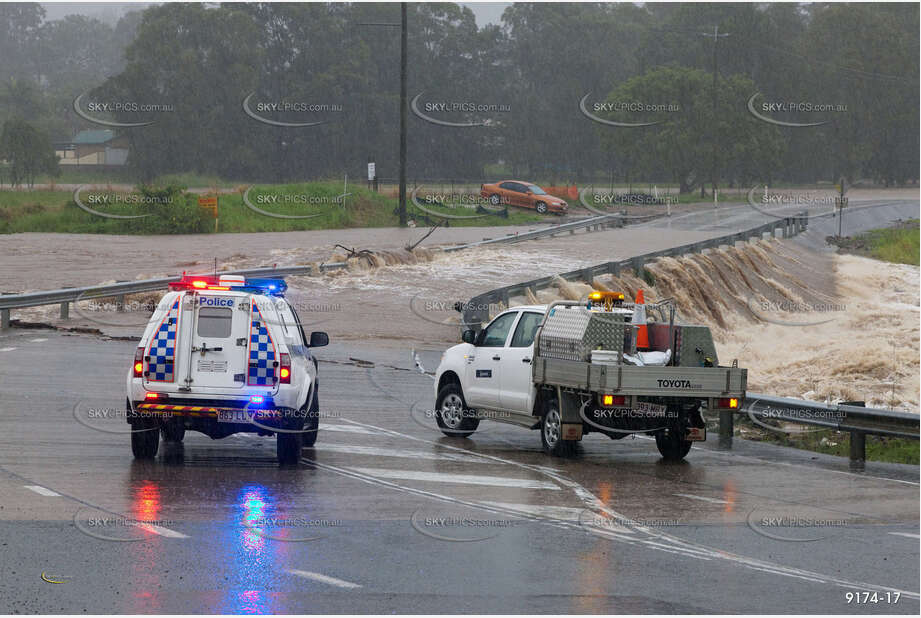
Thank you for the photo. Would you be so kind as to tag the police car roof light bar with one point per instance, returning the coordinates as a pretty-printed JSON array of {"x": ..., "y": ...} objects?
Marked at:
[{"x": 271, "y": 287}]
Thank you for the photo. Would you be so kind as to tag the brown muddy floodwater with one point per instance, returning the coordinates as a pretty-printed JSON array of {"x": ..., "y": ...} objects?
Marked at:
[{"x": 805, "y": 323}]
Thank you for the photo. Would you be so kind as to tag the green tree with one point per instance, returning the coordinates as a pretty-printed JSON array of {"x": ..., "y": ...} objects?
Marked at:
[
  {"x": 28, "y": 151},
  {"x": 678, "y": 147}
]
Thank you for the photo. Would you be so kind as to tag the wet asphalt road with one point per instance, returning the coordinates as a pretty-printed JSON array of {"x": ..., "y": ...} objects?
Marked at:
[{"x": 386, "y": 515}]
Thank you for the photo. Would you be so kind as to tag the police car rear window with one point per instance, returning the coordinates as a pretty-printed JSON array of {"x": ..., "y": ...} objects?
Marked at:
[{"x": 214, "y": 322}]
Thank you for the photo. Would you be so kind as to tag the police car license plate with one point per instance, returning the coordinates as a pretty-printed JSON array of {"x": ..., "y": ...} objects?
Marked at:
[
  {"x": 651, "y": 409},
  {"x": 233, "y": 416}
]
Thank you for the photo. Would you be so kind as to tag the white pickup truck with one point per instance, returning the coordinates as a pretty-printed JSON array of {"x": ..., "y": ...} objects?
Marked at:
[{"x": 573, "y": 368}]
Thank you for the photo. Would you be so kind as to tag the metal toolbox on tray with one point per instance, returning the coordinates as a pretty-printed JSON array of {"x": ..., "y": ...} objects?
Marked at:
[{"x": 571, "y": 333}]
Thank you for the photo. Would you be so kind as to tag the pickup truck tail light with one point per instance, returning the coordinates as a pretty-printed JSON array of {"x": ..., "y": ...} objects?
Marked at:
[
  {"x": 139, "y": 362},
  {"x": 613, "y": 400},
  {"x": 284, "y": 372},
  {"x": 730, "y": 403}
]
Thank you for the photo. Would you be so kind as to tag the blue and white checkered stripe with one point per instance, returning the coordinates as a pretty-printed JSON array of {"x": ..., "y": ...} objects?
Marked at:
[
  {"x": 162, "y": 352},
  {"x": 261, "y": 370}
]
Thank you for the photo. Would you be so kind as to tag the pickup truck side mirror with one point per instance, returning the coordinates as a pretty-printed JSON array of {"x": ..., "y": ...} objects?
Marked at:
[
  {"x": 468, "y": 336},
  {"x": 318, "y": 339}
]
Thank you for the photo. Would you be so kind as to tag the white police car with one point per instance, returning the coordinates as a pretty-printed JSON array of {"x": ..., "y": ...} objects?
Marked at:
[{"x": 223, "y": 355}]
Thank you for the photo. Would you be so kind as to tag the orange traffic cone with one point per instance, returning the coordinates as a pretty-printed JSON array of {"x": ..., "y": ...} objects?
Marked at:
[{"x": 639, "y": 319}]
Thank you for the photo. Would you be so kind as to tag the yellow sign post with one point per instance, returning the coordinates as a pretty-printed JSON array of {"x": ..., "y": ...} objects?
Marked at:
[{"x": 210, "y": 203}]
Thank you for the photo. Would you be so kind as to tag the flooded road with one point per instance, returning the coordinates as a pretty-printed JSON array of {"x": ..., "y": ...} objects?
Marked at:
[{"x": 384, "y": 505}]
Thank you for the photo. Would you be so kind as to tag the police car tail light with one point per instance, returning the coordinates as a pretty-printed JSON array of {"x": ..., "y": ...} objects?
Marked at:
[
  {"x": 139, "y": 362},
  {"x": 285, "y": 371},
  {"x": 151, "y": 396}
]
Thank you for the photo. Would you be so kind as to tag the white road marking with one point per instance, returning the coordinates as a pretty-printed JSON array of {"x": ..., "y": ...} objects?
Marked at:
[
  {"x": 462, "y": 479},
  {"x": 325, "y": 579},
  {"x": 566, "y": 513},
  {"x": 396, "y": 452},
  {"x": 7, "y": 349},
  {"x": 172, "y": 534},
  {"x": 911, "y": 536},
  {"x": 37, "y": 340},
  {"x": 149, "y": 527},
  {"x": 42, "y": 490},
  {"x": 349, "y": 429},
  {"x": 675, "y": 544},
  {"x": 702, "y": 498}
]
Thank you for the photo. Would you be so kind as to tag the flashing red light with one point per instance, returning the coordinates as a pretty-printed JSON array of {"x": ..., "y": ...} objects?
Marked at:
[
  {"x": 200, "y": 284},
  {"x": 139, "y": 362},
  {"x": 151, "y": 396},
  {"x": 285, "y": 372}
]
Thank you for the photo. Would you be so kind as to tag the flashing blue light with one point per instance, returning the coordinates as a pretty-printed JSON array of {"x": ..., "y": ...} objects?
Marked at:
[
  {"x": 275, "y": 287},
  {"x": 256, "y": 399}
]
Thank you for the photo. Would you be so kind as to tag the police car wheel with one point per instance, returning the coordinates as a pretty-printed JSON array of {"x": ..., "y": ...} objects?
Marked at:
[
  {"x": 671, "y": 446},
  {"x": 312, "y": 424},
  {"x": 145, "y": 440},
  {"x": 173, "y": 430},
  {"x": 288, "y": 447},
  {"x": 452, "y": 415},
  {"x": 551, "y": 431}
]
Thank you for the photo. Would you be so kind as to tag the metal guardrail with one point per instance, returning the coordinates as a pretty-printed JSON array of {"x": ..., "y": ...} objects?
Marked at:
[
  {"x": 477, "y": 309},
  {"x": 591, "y": 223},
  {"x": 69, "y": 295},
  {"x": 64, "y": 297},
  {"x": 857, "y": 420}
]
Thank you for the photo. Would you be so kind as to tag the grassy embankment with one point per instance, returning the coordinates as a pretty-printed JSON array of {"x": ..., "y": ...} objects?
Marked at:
[{"x": 55, "y": 211}]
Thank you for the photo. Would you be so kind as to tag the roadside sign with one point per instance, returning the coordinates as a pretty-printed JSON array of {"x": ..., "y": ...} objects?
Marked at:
[
  {"x": 210, "y": 204},
  {"x": 371, "y": 171}
]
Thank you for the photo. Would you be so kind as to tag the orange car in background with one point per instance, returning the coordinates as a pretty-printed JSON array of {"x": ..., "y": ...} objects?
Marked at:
[{"x": 524, "y": 195}]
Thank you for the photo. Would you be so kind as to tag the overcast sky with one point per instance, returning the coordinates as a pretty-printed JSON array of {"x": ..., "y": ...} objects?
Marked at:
[{"x": 485, "y": 12}]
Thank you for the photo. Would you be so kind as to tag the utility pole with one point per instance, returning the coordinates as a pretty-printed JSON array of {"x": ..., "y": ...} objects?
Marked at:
[
  {"x": 716, "y": 36},
  {"x": 842, "y": 202},
  {"x": 403, "y": 114},
  {"x": 404, "y": 108}
]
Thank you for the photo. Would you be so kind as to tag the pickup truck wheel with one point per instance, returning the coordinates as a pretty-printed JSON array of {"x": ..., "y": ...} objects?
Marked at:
[
  {"x": 451, "y": 413},
  {"x": 551, "y": 432},
  {"x": 145, "y": 440},
  {"x": 312, "y": 424},
  {"x": 671, "y": 446}
]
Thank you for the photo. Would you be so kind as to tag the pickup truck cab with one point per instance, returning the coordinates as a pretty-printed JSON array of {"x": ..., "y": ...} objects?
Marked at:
[
  {"x": 504, "y": 373},
  {"x": 223, "y": 355}
]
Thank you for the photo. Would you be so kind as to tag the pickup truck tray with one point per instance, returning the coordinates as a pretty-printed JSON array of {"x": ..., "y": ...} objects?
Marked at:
[{"x": 647, "y": 380}]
